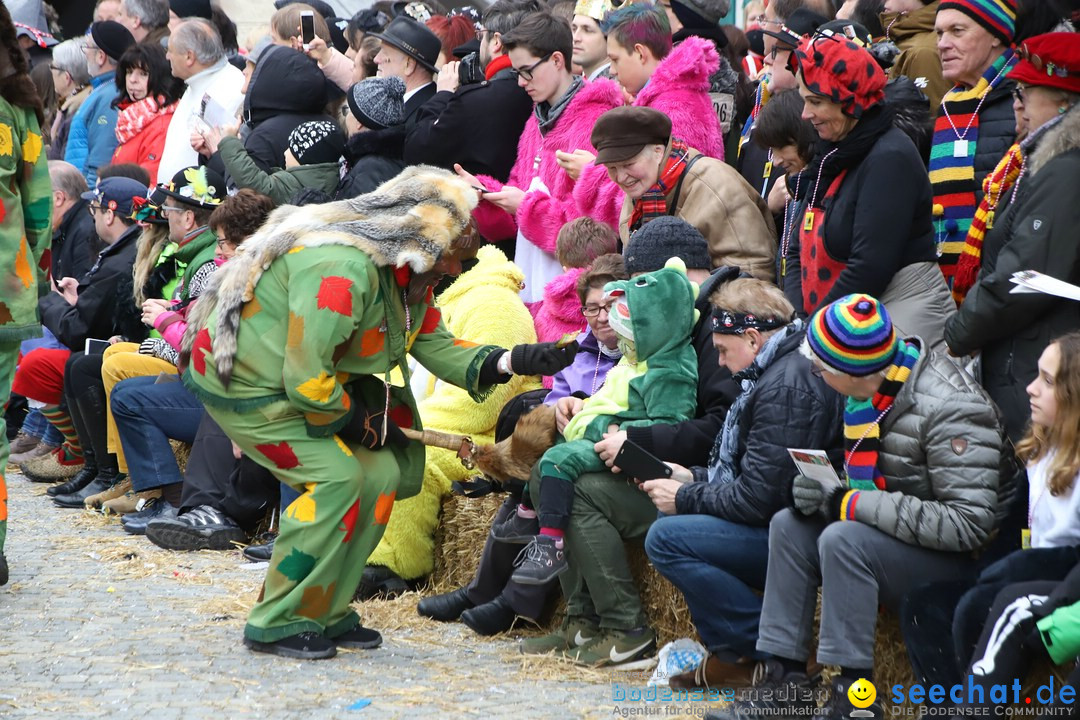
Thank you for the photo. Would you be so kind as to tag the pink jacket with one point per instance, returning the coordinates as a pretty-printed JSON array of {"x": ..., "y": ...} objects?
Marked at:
[
  {"x": 679, "y": 88},
  {"x": 338, "y": 70},
  {"x": 540, "y": 216},
  {"x": 560, "y": 311}
]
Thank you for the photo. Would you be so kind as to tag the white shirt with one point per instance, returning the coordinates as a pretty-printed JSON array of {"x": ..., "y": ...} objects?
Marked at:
[
  {"x": 1055, "y": 521},
  {"x": 222, "y": 82},
  {"x": 410, "y": 93}
]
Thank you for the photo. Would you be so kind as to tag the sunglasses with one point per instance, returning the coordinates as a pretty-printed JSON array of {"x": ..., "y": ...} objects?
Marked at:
[{"x": 527, "y": 72}]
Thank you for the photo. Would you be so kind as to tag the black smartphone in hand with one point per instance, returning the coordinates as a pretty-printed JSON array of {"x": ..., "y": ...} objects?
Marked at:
[{"x": 637, "y": 462}]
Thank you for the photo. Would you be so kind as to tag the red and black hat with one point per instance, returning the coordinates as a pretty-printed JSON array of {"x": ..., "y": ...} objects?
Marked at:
[{"x": 841, "y": 71}]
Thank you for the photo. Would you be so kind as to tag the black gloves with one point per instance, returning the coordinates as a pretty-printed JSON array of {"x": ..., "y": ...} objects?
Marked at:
[
  {"x": 366, "y": 428},
  {"x": 541, "y": 358}
]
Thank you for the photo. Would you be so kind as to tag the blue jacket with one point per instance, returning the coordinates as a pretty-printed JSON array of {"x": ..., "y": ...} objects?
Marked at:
[{"x": 92, "y": 140}]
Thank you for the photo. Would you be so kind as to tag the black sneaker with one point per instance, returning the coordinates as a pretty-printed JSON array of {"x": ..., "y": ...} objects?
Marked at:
[
  {"x": 446, "y": 607},
  {"x": 516, "y": 529},
  {"x": 204, "y": 528},
  {"x": 260, "y": 553},
  {"x": 842, "y": 707},
  {"x": 305, "y": 646},
  {"x": 774, "y": 693},
  {"x": 539, "y": 562},
  {"x": 153, "y": 509},
  {"x": 359, "y": 638}
]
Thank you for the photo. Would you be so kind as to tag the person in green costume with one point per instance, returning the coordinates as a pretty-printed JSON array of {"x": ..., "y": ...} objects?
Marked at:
[
  {"x": 655, "y": 381},
  {"x": 298, "y": 349},
  {"x": 25, "y": 224}
]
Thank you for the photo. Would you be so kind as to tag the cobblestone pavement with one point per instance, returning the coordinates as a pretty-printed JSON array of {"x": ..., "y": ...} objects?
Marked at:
[{"x": 99, "y": 624}]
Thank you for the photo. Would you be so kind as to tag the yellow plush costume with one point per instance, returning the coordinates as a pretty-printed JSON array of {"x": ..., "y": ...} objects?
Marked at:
[{"x": 483, "y": 306}]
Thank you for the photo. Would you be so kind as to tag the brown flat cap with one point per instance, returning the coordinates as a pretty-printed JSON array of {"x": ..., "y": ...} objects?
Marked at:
[{"x": 620, "y": 134}]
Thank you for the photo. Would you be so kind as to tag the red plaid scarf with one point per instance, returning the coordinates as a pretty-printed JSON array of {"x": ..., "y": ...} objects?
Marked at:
[{"x": 653, "y": 203}]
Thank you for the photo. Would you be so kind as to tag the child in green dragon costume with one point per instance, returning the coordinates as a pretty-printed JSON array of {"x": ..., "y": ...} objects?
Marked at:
[{"x": 656, "y": 381}]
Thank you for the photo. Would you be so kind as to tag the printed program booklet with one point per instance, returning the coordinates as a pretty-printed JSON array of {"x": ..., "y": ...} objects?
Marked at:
[{"x": 815, "y": 465}]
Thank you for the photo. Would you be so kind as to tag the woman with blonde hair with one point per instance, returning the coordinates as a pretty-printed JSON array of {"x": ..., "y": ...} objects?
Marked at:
[{"x": 1050, "y": 542}]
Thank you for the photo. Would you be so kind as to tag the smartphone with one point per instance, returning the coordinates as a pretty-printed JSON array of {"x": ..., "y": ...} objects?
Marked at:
[
  {"x": 95, "y": 347},
  {"x": 307, "y": 27},
  {"x": 637, "y": 462}
]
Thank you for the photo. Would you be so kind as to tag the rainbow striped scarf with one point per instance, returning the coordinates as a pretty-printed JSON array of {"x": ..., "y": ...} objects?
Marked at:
[
  {"x": 862, "y": 427},
  {"x": 995, "y": 187},
  {"x": 952, "y": 163}
]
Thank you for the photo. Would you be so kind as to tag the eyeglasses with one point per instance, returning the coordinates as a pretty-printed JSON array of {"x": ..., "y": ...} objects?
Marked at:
[
  {"x": 816, "y": 370},
  {"x": 1018, "y": 93},
  {"x": 166, "y": 209},
  {"x": 591, "y": 311},
  {"x": 480, "y": 33},
  {"x": 92, "y": 209},
  {"x": 225, "y": 243},
  {"x": 527, "y": 72}
]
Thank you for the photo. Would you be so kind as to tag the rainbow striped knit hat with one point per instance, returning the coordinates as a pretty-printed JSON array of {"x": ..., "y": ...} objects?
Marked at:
[
  {"x": 997, "y": 16},
  {"x": 853, "y": 335}
]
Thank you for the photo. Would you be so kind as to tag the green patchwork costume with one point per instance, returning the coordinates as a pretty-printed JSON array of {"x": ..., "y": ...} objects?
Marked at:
[
  {"x": 305, "y": 325},
  {"x": 25, "y": 236},
  {"x": 656, "y": 381}
]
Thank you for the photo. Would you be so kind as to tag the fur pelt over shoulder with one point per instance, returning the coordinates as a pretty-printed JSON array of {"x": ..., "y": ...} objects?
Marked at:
[
  {"x": 408, "y": 220},
  {"x": 514, "y": 457}
]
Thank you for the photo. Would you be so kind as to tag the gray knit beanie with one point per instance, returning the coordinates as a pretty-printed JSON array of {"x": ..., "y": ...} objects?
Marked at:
[
  {"x": 378, "y": 102},
  {"x": 659, "y": 240}
]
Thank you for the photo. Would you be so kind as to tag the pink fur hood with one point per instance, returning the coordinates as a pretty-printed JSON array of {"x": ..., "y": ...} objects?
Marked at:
[
  {"x": 540, "y": 215},
  {"x": 560, "y": 313}
]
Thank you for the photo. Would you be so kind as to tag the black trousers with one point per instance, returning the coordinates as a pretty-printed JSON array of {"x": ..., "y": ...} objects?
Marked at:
[
  {"x": 84, "y": 395},
  {"x": 942, "y": 622},
  {"x": 497, "y": 565},
  {"x": 242, "y": 489}
]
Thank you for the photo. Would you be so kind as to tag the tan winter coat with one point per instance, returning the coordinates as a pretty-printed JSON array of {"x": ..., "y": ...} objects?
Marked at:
[
  {"x": 914, "y": 34},
  {"x": 715, "y": 199}
]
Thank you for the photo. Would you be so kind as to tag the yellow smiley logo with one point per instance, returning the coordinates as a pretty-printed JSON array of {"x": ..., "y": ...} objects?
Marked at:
[{"x": 862, "y": 693}]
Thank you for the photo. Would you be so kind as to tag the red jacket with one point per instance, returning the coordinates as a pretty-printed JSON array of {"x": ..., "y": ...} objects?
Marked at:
[{"x": 140, "y": 130}]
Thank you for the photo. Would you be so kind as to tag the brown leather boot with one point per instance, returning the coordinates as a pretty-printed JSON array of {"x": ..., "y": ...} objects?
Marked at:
[
  {"x": 118, "y": 490},
  {"x": 715, "y": 673}
]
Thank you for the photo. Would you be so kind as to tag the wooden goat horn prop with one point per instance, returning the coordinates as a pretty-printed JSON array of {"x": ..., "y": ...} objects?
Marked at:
[{"x": 461, "y": 444}]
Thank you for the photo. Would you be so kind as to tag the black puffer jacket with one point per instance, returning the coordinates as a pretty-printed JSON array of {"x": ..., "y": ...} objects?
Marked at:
[
  {"x": 689, "y": 442},
  {"x": 1037, "y": 231},
  {"x": 997, "y": 132},
  {"x": 374, "y": 157},
  {"x": 787, "y": 408},
  {"x": 286, "y": 89}
]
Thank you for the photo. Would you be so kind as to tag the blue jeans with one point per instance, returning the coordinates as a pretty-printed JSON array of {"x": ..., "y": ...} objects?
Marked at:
[
  {"x": 148, "y": 414},
  {"x": 35, "y": 423},
  {"x": 717, "y": 565}
]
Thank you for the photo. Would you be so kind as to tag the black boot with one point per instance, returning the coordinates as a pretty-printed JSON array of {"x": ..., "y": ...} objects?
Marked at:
[
  {"x": 106, "y": 478},
  {"x": 491, "y": 618},
  {"x": 3, "y": 569},
  {"x": 380, "y": 582},
  {"x": 85, "y": 477},
  {"x": 446, "y": 607}
]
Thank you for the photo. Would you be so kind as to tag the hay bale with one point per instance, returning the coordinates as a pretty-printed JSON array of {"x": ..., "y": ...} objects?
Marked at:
[
  {"x": 460, "y": 539},
  {"x": 182, "y": 451}
]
